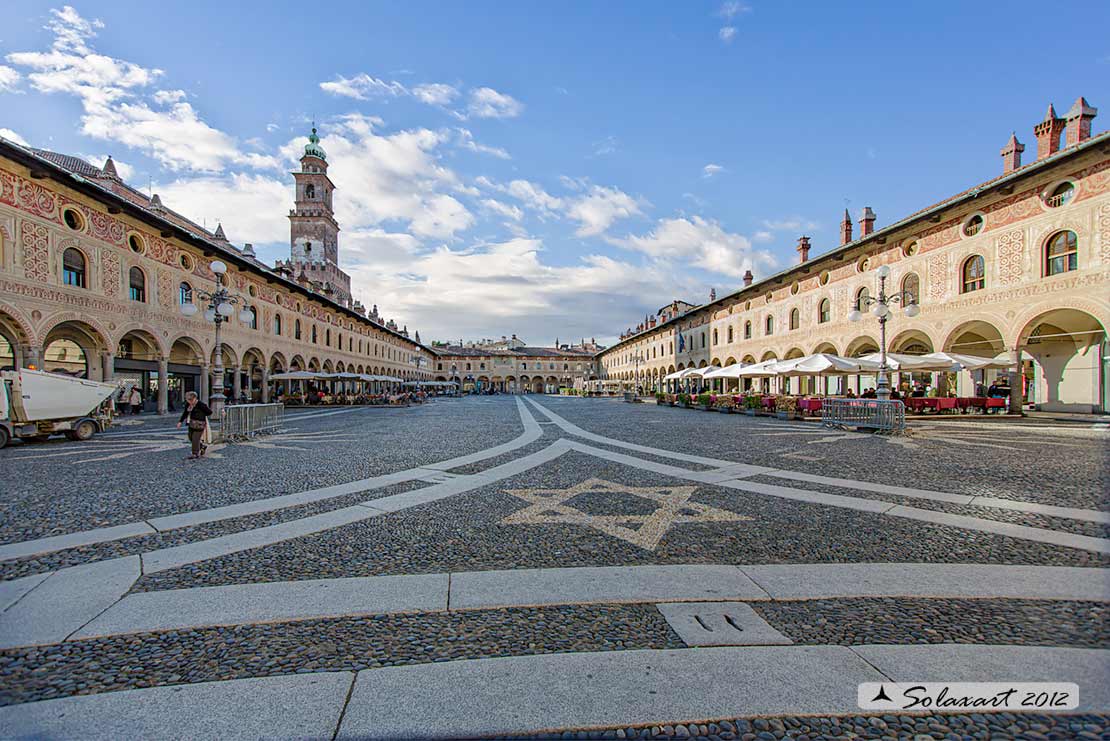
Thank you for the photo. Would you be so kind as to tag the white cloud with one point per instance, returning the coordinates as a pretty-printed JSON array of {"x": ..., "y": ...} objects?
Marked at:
[
  {"x": 248, "y": 205},
  {"x": 510, "y": 212},
  {"x": 436, "y": 93},
  {"x": 733, "y": 8},
  {"x": 9, "y": 79},
  {"x": 608, "y": 145},
  {"x": 13, "y": 137},
  {"x": 727, "y": 34},
  {"x": 466, "y": 141},
  {"x": 790, "y": 224},
  {"x": 600, "y": 208},
  {"x": 763, "y": 236},
  {"x": 701, "y": 242},
  {"x": 533, "y": 195},
  {"x": 362, "y": 87},
  {"x": 485, "y": 102},
  {"x": 111, "y": 93},
  {"x": 271, "y": 127},
  {"x": 711, "y": 169}
]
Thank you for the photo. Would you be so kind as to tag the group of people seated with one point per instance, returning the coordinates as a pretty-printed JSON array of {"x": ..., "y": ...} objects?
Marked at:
[{"x": 315, "y": 397}]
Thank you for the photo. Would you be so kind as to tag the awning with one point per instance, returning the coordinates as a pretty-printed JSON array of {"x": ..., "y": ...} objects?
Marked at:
[
  {"x": 972, "y": 362},
  {"x": 824, "y": 364},
  {"x": 908, "y": 363},
  {"x": 729, "y": 371}
]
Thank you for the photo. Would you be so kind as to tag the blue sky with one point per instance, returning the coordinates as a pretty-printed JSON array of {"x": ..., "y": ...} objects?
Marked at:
[{"x": 549, "y": 169}]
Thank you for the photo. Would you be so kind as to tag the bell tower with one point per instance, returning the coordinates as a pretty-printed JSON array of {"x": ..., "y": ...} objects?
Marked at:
[{"x": 313, "y": 230}]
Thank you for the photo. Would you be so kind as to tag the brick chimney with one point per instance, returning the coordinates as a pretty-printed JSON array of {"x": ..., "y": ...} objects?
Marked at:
[
  {"x": 1079, "y": 122},
  {"x": 846, "y": 228},
  {"x": 1048, "y": 133},
  {"x": 866, "y": 221},
  {"x": 803, "y": 249},
  {"x": 748, "y": 278},
  {"x": 1011, "y": 154}
]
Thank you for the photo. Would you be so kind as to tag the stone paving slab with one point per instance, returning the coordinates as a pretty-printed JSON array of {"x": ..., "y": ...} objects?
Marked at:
[
  {"x": 269, "y": 602},
  {"x": 296, "y": 706},
  {"x": 720, "y": 624},
  {"x": 819, "y": 581},
  {"x": 73, "y": 540},
  {"x": 12, "y": 590},
  {"x": 619, "y": 688},
  {"x": 947, "y": 662},
  {"x": 66, "y": 600},
  {"x": 523, "y": 587}
]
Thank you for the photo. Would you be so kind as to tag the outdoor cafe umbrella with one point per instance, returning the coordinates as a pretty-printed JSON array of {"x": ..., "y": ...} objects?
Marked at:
[
  {"x": 971, "y": 362},
  {"x": 912, "y": 363},
  {"x": 824, "y": 364},
  {"x": 764, "y": 369},
  {"x": 297, "y": 376},
  {"x": 729, "y": 371}
]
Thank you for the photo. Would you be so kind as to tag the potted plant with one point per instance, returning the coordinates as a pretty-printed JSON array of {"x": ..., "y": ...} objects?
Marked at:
[
  {"x": 751, "y": 404},
  {"x": 705, "y": 402},
  {"x": 786, "y": 407},
  {"x": 725, "y": 404},
  {"x": 683, "y": 400}
]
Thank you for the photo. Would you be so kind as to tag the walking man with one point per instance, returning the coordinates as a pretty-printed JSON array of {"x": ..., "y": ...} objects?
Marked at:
[{"x": 196, "y": 414}]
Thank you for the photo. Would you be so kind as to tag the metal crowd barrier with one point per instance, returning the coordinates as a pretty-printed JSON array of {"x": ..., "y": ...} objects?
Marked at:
[
  {"x": 885, "y": 416},
  {"x": 242, "y": 421}
]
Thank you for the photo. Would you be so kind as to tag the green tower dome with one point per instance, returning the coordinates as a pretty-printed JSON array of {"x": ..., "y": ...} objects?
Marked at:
[{"x": 313, "y": 147}]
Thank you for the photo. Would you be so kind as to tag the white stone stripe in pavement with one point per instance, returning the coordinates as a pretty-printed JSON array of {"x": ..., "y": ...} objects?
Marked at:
[
  {"x": 292, "y": 706},
  {"x": 621, "y": 688},
  {"x": 529, "y": 694},
  {"x": 301, "y": 600},
  {"x": 738, "y": 470},
  {"x": 532, "y": 432}
]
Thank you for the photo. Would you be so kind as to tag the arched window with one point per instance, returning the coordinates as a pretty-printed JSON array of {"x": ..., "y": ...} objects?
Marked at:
[
  {"x": 296, "y": 329},
  {"x": 184, "y": 293},
  {"x": 310, "y": 191},
  {"x": 137, "y": 282},
  {"x": 253, "y": 323},
  {"x": 973, "y": 274},
  {"x": 327, "y": 337},
  {"x": 795, "y": 319},
  {"x": 769, "y": 325},
  {"x": 703, "y": 339},
  {"x": 824, "y": 310},
  {"x": 714, "y": 337},
  {"x": 747, "y": 330},
  {"x": 862, "y": 296},
  {"x": 730, "y": 333},
  {"x": 73, "y": 268},
  {"x": 1061, "y": 253},
  {"x": 911, "y": 289},
  {"x": 314, "y": 334},
  {"x": 277, "y": 324}
]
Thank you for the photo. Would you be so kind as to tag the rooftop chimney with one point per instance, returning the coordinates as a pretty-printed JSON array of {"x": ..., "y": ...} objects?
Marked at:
[
  {"x": 248, "y": 250},
  {"x": 712, "y": 294},
  {"x": 109, "y": 168},
  {"x": 846, "y": 228},
  {"x": 1011, "y": 154},
  {"x": 803, "y": 249},
  {"x": 748, "y": 278},
  {"x": 1079, "y": 122},
  {"x": 1048, "y": 133},
  {"x": 866, "y": 221}
]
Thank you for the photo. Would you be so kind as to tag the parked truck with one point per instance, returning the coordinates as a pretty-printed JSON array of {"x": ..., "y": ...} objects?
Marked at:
[{"x": 35, "y": 405}]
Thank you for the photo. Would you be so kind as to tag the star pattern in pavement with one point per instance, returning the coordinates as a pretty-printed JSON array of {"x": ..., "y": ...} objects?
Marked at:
[{"x": 552, "y": 506}]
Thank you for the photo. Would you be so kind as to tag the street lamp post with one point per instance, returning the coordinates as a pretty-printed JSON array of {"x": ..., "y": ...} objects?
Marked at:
[
  {"x": 219, "y": 309},
  {"x": 637, "y": 359},
  {"x": 880, "y": 308}
]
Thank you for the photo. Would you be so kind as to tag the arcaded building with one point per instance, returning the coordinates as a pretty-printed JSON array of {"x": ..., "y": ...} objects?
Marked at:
[
  {"x": 93, "y": 274},
  {"x": 512, "y": 366},
  {"x": 1018, "y": 265}
]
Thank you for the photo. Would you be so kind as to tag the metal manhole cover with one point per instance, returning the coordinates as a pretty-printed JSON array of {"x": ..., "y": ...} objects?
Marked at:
[{"x": 720, "y": 624}]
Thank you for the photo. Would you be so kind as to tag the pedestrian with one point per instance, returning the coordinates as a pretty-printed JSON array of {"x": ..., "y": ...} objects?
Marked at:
[
  {"x": 124, "y": 401},
  {"x": 172, "y": 399},
  {"x": 196, "y": 414},
  {"x": 136, "y": 400}
]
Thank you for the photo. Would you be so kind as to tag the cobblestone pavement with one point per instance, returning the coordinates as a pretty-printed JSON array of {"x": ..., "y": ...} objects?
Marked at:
[{"x": 91, "y": 533}]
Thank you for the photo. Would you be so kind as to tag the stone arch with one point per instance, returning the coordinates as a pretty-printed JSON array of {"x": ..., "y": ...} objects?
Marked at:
[
  {"x": 911, "y": 342},
  {"x": 186, "y": 351},
  {"x": 277, "y": 363},
  {"x": 730, "y": 361},
  {"x": 87, "y": 334},
  {"x": 769, "y": 355},
  {"x": 16, "y": 332},
  {"x": 1065, "y": 348},
  {"x": 794, "y": 352},
  {"x": 297, "y": 362},
  {"x": 825, "y": 347},
  {"x": 975, "y": 337},
  {"x": 340, "y": 367},
  {"x": 861, "y": 346},
  {"x": 328, "y": 367},
  {"x": 313, "y": 364},
  {"x": 140, "y": 344},
  {"x": 229, "y": 359},
  {"x": 143, "y": 332}
]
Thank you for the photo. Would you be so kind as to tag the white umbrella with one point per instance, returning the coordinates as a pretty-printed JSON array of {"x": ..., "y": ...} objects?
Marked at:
[
  {"x": 971, "y": 362},
  {"x": 824, "y": 364},
  {"x": 758, "y": 370},
  {"x": 295, "y": 376},
  {"x": 729, "y": 371},
  {"x": 901, "y": 362}
]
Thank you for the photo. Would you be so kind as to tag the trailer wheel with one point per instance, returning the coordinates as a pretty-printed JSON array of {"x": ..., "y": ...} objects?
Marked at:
[
  {"x": 4, "y": 437},
  {"x": 83, "y": 430}
]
